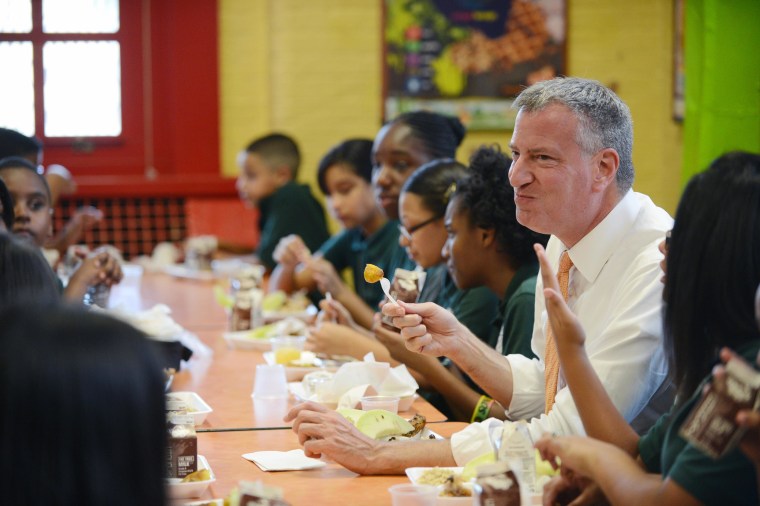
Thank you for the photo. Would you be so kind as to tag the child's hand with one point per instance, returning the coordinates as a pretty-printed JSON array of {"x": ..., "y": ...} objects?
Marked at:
[
  {"x": 291, "y": 251},
  {"x": 568, "y": 332},
  {"x": 110, "y": 268},
  {"x": 333, "y": 311},
  {"x": 99, "y": 267},
  {"x": 326, "y": 277}
]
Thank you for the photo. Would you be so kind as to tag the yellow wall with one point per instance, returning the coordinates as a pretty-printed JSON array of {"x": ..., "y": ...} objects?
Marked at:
[{"x": 312, "y": 69}]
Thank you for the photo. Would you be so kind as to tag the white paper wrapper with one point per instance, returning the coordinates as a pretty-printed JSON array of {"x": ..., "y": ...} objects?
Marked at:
[
  {"x": 356, "y": 379},
  {"x": 158, "y": 324}
]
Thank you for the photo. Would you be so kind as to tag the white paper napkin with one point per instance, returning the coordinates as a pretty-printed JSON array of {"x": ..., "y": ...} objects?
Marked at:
[{"x": 294, "y": 460}]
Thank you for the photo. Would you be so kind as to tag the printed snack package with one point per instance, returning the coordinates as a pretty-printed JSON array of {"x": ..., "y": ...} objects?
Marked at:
[
  {"x": 711, "y": 425},
  {"x": 182, "y": 442}
]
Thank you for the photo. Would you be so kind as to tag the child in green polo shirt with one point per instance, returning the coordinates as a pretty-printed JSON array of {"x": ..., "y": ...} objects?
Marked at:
[
  {"x": 345, "y": 176},
  {"x": 268, "y": 169}
]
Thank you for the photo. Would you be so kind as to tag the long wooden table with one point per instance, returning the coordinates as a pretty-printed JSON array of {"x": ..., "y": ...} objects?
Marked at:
[{"x": 225, "y": 381}]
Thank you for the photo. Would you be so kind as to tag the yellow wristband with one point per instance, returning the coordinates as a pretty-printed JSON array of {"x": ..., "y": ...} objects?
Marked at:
[{"x": 482, "y": 408}]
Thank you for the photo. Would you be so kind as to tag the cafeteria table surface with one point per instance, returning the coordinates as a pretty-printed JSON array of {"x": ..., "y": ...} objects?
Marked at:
[{"x": 224, "y": 380}]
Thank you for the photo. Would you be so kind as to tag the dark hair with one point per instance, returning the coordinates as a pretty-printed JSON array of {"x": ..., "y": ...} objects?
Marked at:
[
  {"x": 25, "y": 276},
  {"x": 81, "y": 410},
  {"x": 435, "y": 182},
  {"x": 440, "y": 134},
  {"x": 487, "y": 199},
  {"x": 16, "y": 162},
  {"x": 7, "y": 202},
  {"x": 355, "y": 154},
  {"x": 13, "y": 143},
  {"x": 277, "y": 149},
  {"x": 713, "y": 268}
]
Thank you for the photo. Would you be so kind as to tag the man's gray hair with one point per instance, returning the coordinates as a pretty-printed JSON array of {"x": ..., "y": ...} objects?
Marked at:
[{"x": 604, "y": 120}]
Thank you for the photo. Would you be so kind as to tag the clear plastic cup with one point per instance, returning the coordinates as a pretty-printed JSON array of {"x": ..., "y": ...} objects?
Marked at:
[
  {"x": 287, "y": 348},
  {"x": 413, "y": 495},
  {"x": 386, "y": 402},
  {"x": 270, "y": 382}
]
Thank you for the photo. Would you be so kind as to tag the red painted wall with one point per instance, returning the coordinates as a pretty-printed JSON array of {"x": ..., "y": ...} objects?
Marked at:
[{"x": 184, "y": 38}]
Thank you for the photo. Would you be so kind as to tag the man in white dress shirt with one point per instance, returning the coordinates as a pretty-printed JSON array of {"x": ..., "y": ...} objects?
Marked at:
[{"x": 572, "y": 173}]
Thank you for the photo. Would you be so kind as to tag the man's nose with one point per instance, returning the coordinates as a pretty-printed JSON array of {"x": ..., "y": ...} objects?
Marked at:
[{"x": 518, "y": 174}]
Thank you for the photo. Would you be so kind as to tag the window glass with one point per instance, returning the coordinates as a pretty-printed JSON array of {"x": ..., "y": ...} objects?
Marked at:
[
  {"x": 17, "y": 87},
  {"x": 15, "y": 16},
  {"x": 80, "y": 16},
  {"x": 82, "y": 91}
]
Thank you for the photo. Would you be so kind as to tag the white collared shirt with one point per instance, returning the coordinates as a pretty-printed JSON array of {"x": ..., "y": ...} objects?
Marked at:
[{"x": 616, "y": 293}]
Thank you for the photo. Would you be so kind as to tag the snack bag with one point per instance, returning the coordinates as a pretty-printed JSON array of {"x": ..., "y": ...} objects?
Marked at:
[
  {"x": 711, "y": 425},
  {"x": 406, "y": 287},
  {"x": 517, "y": 449}
]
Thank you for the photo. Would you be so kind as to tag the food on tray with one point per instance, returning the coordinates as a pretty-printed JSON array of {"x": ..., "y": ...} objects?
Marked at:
[
  {"x": 381, "y": 424},
  {"x": 279, "y": 302},
  {"x": 351, "y": 414},
  {"x": 289, "y": 356},
  {"x": 435, "y": 476},
  {"x": 418, "y": 423},
  {"x": 453, "y": 486},
  {"x": 175, "y": 403},
  {"x": 286, "y": 327},
  {"x": 373, "y": 273},
  {"x": 199, "y": 475},
  {"x": 470, "y": 470}
]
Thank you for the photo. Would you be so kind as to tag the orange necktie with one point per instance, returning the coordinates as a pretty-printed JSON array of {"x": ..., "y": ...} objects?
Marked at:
[{"x": 551, "y": 359}]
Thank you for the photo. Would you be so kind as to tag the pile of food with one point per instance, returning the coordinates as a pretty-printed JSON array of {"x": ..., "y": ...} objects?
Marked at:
[
  {"x": 280, "y": 302},
  {"x": 286, "y": 327},
  {"x": 382, "y": 424}
]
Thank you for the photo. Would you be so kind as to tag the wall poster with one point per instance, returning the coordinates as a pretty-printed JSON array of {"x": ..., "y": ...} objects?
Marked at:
[{"x": 469, "y": 58}]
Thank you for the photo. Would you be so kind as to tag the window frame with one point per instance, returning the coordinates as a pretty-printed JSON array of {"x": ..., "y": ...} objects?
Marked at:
[{"x": 129, "y": 40}]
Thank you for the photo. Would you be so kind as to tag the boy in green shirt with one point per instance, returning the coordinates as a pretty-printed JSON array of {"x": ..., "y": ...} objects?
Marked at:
[{"x": 268, "y": 169}]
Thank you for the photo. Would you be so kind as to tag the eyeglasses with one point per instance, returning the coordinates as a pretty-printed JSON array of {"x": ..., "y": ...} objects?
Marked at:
[{"x": 407, "y": 232}]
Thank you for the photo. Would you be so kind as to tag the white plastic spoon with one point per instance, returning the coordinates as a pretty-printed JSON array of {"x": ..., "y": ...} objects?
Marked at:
[{"x": 387, "y": 289}]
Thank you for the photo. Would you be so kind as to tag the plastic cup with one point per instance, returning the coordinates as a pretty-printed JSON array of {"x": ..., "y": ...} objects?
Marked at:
[
  {"x": 314, "y": 383},
  {"x": 385, "y": 402},
  {"x": 270, "y": 382},
  {"x": 132, "y": 276},
  {"x": 287, "y": 348},
  {"x": 413, "y": 495}
]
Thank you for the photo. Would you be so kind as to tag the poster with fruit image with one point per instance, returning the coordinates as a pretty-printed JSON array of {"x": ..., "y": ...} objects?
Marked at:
[{"x": 469, "y": 58}]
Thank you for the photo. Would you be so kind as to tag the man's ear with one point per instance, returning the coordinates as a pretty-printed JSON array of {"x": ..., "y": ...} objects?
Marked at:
[{"x": 606, "y": 163}]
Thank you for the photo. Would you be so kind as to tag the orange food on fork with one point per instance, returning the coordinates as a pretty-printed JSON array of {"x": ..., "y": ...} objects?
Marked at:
[{"x": 372, "y": 273}]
